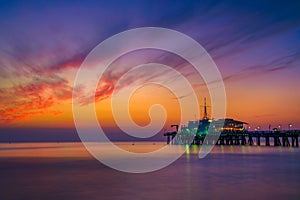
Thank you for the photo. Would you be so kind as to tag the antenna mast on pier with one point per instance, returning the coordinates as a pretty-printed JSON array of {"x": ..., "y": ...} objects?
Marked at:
[{"x": 205, "y": 110}]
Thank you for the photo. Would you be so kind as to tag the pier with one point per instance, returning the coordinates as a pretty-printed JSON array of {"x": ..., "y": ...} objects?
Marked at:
[
  {"x": 233, "y": 132},
  {"x": 284, "y": 138}
]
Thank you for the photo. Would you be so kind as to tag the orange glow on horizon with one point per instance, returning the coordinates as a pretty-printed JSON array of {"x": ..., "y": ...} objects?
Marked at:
[{"x": 139, "y": 105}]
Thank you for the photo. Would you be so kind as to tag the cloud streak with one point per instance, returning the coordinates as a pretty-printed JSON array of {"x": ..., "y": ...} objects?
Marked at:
[{"x": 36, "y": 97}]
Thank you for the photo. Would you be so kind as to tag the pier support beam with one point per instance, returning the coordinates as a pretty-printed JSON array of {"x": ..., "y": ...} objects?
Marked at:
[
  {"x": 168, "y": 139},
  {"x": 243, "y": 140},
  {"x": 227, "y": 141},
  {"x": 258, "y": 140},
  {"x": 237, "y": 140},
  {"x": 250, "y": 141},
  {"x": 267, "y": 141},
  {"x": 221, "y": 140},
  {"x": 231, "y": 140},
  {"x": 277, "y": 141},
  {"x": 288, "y": 142},
  {"x": 285, "y": 141}
]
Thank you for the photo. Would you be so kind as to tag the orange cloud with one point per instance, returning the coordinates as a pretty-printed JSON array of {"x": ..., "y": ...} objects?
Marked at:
[{"x": 34, "y": 98}]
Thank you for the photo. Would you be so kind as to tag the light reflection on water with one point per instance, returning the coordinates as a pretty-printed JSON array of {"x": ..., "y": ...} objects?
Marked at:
[{"x": 67, "y": 171}]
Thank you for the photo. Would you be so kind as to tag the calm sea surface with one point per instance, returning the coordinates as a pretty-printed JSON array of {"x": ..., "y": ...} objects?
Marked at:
[{"x": 68, "y": 171}]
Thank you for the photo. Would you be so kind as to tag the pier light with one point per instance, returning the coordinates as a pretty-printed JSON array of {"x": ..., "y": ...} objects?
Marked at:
[
  {"x": 290, "y": 126},
  {"x": 258, "y": 128},
  {"x": 279, "y": 127}
]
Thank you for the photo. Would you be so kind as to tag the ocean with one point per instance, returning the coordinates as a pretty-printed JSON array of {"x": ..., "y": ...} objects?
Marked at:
[{"x": 68, "y": 171}]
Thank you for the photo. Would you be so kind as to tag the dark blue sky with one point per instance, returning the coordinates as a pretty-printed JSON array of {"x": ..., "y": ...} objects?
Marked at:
[{"x": 30, "y": 29}]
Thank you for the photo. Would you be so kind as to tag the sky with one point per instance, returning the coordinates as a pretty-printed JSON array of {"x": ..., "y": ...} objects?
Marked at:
[{"x": 255, "y": 45}]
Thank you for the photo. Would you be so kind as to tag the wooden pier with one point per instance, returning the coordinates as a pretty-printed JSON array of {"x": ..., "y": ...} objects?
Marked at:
[{"x": 284, "y": 138}]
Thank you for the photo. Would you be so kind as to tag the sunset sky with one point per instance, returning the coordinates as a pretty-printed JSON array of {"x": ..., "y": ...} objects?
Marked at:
[{"x": 255, "y": 45}]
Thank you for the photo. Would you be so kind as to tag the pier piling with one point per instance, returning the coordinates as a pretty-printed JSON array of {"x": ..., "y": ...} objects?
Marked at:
[
  {"x": 250, "y": 141},
  {"x": 258, "y": 140},
  {"x": 267, "y": 141}
]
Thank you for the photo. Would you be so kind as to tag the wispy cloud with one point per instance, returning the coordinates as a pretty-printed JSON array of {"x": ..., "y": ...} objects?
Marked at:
[{"x": 35, "y": 97}]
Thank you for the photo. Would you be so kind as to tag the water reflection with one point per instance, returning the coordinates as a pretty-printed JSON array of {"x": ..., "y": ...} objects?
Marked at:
[{"x": 67, "y": 171}]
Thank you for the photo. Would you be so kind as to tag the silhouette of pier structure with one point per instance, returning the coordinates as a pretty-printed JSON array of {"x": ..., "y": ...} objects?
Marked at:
[
  {"x": 279, "y": 138},
  {"x": 230, "y": 132},
  {"x": 171, "y": 134},
  {"x": 284, "y": 138}
]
